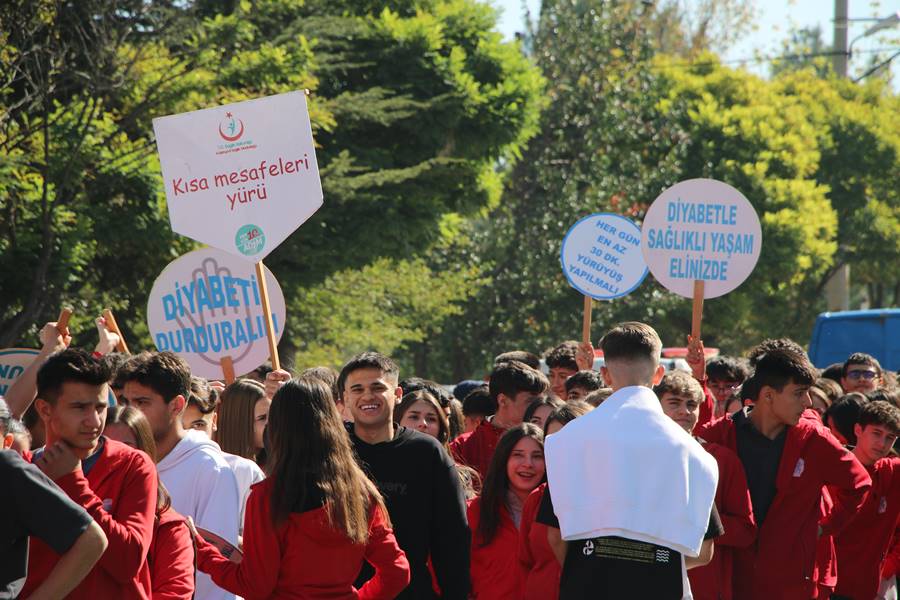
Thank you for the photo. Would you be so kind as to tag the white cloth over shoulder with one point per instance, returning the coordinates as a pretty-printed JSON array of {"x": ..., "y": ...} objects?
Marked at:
[{"x": 626, "y": 469}]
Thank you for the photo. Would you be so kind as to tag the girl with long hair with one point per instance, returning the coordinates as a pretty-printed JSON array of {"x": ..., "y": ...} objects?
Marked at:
[
  {"x": 421, "y": 411},
  {"x": 310, "y": 524},
  {"x": 243, "y": 413},
  {"x": 516, "y": 469},
  {"x": 171, "y": 554},
  {"x": 540, "y": 568}
]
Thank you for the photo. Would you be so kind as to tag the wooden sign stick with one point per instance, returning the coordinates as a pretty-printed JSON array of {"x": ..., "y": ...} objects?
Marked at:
[
  {"x": 228, "y": 369},
  {"x": 114, "y": 327},
  {"x": 267, "y": 313},
  {"x": 586, "y": 319},
  {"x": 697, "y": 316},
  {"x": 62, "y": 323}
]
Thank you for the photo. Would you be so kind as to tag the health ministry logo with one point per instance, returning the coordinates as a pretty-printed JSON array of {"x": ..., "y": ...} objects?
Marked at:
[{"x": 231, "y": 129}]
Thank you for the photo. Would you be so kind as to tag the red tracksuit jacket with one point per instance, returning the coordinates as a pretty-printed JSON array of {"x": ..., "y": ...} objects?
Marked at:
[
  {"x": 706, "y": 409},
  {"x": 540, "y": 569},
  {"x": 119, "y": 492},
  {"x": 495, "y": 568},
  {"x": 171, "y": 558},
  {"x": 305, "y": 557},
  {"x": 714, "y": 581},
  {"x": 863, "y": 545},
  {"x": 781, "y": 564},
  {"x": 476, "y": 449}
]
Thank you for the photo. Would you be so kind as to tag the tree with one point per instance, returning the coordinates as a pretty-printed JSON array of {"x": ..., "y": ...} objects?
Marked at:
[
  {"x": 418, "y": 109},
  {"x": 688, "y": 27},
  {"x": 604, "y": 144},
  {"x": 80, "y": 211}
]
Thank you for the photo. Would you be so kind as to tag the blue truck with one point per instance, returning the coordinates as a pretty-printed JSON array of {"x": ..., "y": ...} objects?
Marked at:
[{"x": 836, "y": 335}]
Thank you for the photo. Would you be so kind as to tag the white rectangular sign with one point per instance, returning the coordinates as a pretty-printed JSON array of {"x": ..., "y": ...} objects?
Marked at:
[{"x": 240, "y": 177}]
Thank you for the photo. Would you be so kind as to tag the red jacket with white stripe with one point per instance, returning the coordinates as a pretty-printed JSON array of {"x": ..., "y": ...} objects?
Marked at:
[{"x": 780, "y": 565}]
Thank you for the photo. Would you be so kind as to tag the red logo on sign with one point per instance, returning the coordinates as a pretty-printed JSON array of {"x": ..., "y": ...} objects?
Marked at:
[{"x": 233, "y": 128}]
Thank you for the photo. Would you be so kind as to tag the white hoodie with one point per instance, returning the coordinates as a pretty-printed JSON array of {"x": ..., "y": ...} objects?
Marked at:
[{"x": 203, "y": 487}]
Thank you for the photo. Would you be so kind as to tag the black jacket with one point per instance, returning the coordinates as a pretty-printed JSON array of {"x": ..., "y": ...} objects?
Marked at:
[{"x": 425, "y": 500}]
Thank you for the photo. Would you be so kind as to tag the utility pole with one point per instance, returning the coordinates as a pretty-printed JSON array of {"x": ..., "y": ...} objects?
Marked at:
[{"x": 837, "y": 290}]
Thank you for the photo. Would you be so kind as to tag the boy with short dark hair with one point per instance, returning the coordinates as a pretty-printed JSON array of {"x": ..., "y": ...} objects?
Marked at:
[
  {"x": 32, "y": 506},
  {"x": 724, "y": 375},
  {"x": 513, "y": 386},
  {"x": 478, "y": 405},
  {"x": 788, "y": 458},
  {"x": 114, "y": 483},
  {"x": 530, "y": 359},
  {"x": 681, "y": 396},
  {"x": 861, "y": 373},
  {"x": 582, "y": 383},
  {"x": 417, "y": 477},
  {"x": 606, "y": 525},
  {"x": 562, "y": 364},
  {"x": 862, "y": 546},
  {"x": 199, "y": 479}
]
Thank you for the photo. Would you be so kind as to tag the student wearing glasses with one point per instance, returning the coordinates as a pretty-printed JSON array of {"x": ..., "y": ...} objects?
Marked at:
[{"x": 861, "y": 373}]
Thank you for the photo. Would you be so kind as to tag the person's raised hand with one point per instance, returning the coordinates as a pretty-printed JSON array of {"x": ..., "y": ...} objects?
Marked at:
[
  {"x": 53, "y": 340},
  {"x": 108, "y": 340},
  {"x": 58, "y": 460},
  {"x": 274, "y": 380},
  {"x": 584, "y": 356},
  {"x": 696, "y": 358}
]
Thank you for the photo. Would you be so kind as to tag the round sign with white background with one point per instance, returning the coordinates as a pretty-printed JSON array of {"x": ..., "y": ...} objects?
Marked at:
[
  {"x": 701, "y": 230},
  {"x": 206, "y": 305},
  {"x": 601, "y": 256}
]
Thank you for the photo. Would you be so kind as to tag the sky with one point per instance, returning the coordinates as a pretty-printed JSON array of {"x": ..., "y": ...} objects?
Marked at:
[{"x": 775, "y": 20}]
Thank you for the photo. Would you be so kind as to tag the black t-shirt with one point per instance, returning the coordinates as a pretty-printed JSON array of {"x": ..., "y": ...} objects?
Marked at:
[
  {"x": 615, "y": 567},
  {"x": 31, "y": 504}
]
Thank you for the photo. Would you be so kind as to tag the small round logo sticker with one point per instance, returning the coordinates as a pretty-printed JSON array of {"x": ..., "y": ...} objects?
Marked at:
[{"x": 250, "y": 240}]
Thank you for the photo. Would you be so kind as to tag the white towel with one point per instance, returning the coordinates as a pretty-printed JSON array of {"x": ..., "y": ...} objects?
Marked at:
[{"x": 626, "y": 469}]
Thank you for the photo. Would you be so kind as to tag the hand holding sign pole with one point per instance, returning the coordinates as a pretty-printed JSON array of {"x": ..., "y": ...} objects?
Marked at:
[
  {"x": 242, "y": 178},
  {"x": 701, "y": 239},
  {"x": 114, "y": 327},
  {"x": 601, "y": 257}
]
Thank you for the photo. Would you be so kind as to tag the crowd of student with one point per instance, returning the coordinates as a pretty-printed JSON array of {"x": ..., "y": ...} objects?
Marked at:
[{"x": 758, "y": 478}]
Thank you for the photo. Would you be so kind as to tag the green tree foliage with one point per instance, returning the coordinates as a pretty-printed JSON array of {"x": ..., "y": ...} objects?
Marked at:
[
  {"x": 814, "y": 156},
  {"x": 604, "y": 145},
  {"x": 414, "y": 105}
]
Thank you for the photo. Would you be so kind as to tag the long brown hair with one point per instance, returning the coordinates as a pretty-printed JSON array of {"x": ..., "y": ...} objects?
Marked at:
[
  {"x": 135, "y": 420},
  {"x": 496, "y": 483},
  {"x": 310, "y": 454},
  {"x": 235, "y": 423}
]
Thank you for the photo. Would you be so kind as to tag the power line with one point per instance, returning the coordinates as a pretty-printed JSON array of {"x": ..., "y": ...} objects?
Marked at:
[
  {"x": 763, "y": 59},
  {"x": 876, "y": 67}
]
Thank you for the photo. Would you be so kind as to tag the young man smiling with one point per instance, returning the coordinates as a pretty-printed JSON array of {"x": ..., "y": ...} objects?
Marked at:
[
  {"x": 862, "y": 546},
  {"x": 114, "y": 483},
  {"x": 681, "y": 397},
  {"x": 417, "y": 477},
  {"x": 788, "y": 459}
]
